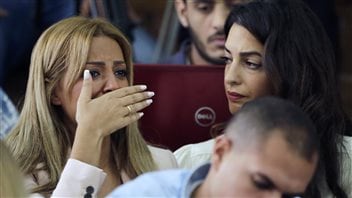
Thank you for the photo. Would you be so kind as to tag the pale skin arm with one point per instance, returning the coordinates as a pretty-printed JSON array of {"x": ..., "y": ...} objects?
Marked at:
[{"x": 99, "y": 117}]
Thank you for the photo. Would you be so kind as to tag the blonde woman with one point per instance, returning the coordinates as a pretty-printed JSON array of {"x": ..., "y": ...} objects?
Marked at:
[{"x": 78, "y": 136}]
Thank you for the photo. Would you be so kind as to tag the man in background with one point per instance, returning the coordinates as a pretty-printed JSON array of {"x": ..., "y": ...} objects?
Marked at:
[{"x": 204, "y": 21}]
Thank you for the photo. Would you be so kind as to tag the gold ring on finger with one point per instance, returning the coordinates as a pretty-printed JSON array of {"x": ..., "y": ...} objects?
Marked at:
[{"x": 129, "y": 109}]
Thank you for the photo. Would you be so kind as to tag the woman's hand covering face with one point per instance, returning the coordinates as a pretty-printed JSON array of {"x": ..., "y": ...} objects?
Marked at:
[{"x": 111, "y": 111}]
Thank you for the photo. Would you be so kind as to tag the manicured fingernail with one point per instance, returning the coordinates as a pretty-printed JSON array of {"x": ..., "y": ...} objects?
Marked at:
[
  {"x": 149, "y": 101},
  {"x": 86, "y": 74},
  {"x": 150, "y": 93},
  {"x": 140, "y": 114},
  {"x": 143, "y": 87}
]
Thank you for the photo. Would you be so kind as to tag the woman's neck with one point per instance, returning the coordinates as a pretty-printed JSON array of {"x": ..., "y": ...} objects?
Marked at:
[{"x": 107, "y": 163}]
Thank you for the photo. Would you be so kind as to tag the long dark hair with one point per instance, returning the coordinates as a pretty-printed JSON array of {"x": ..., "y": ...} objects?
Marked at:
[{"x": 299, "y": 61}]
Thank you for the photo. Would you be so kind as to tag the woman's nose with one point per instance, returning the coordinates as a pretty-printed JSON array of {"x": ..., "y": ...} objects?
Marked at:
[
  {"x": 232, "y": 74},
  {"x": 111, "y": 83}
]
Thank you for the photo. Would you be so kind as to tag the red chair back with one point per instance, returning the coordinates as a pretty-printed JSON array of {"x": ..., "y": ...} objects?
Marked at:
[{"x": 188, "y": 101}]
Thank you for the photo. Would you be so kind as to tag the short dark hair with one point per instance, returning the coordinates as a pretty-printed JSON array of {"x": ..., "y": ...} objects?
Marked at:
[
  {"x": 258, "y": 119},
  {"x": 300, "y": 63}
]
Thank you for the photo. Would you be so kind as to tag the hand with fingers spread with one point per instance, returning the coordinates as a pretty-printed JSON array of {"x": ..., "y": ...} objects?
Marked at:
[
  {"x": 99, "y": 117},
  {"x": 114, "y": 110}
]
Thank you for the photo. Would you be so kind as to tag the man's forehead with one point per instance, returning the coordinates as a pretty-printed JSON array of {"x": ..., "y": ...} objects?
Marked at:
[{"x": 274, "y": 158}]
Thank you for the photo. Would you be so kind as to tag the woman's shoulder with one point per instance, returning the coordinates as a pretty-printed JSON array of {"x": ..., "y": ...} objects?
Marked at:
[
  {"x": 193, "y": 155},
  {"x": 38, "y": 178},
  {"x": 205, "y": 147},
  {"x": 347, "y": 140},
  {"x": 347, "y": 165},
  {"x": 346, "y": 151},
  {"x": 163, "y": 157}
]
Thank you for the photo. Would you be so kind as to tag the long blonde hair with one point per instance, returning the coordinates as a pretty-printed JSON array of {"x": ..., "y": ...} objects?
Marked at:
[
  {"x": 41, "y": 135},
  {"x": 11, "y": 179}
]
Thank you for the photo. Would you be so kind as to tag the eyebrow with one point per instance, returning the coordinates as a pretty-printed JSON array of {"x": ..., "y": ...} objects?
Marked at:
[
  {"x": 101, "y": 63},
  {"x": 249, "y": 53}
]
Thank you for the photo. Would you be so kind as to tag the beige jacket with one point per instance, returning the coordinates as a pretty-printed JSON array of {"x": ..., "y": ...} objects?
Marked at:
[{"x": 79, "y": 178}]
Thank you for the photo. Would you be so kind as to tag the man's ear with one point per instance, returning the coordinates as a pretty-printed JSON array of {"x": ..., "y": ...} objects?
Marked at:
[
  {"x": 222, "y": 147},
  {"x": 181, "y": 9}
]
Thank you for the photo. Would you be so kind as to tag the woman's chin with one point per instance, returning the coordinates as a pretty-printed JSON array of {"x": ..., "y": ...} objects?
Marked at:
[{"x": 233, "y": 108}]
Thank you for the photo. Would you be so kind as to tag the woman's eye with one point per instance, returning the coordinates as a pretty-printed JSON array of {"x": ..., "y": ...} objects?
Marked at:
[
  {"x": 263, "y": 185},
  {"x": 204, "y": 7},
  {"x": 252, "y": 65},
  {"x": 121, "y": 73},
  {"x": 227, "y": 60},
  {"x": 94, "y": 74}
]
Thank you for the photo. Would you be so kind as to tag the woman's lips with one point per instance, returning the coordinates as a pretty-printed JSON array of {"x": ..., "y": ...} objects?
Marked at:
[{"x": 234, "y": 96}]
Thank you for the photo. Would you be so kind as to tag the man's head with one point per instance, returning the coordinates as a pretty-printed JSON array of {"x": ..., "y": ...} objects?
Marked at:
[
  {"x": 205, "y": 21},
  {"x": 269, "y": 149}
]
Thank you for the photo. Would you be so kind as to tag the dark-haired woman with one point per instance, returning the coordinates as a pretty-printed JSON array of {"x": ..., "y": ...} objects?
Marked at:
[{"x": 279, "y": 47}]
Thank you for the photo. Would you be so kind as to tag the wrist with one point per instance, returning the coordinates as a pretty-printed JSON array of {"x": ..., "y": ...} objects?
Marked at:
[{"x": 87, "y": 146}]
